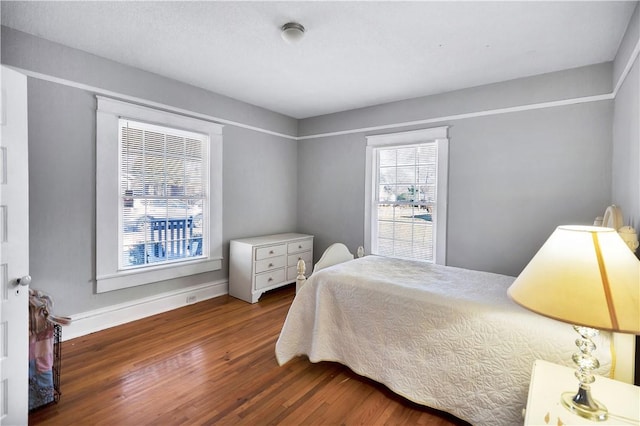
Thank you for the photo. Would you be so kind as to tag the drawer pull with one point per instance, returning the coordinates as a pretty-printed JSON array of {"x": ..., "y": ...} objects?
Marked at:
[
  {"x": 270, "y": 251},
  {"x": 270, "y": 279},
  {"x": 270, "y": 265},
  {"x": 299, "y": 246}
]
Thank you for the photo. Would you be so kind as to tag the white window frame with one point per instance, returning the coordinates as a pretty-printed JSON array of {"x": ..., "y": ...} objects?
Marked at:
[
  {"x": 438, "y": 135},
  {"x": 109, "y": 275}
]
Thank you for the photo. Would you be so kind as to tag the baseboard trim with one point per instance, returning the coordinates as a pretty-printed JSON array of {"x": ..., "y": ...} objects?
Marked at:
[{"x": 100, "y": 319}]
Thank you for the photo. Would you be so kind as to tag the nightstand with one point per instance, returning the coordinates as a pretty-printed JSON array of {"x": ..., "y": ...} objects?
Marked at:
[{"x": 549, "y": 380}]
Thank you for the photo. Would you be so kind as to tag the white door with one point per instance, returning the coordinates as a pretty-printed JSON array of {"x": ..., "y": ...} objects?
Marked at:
[{"x": 14, "y": 250}]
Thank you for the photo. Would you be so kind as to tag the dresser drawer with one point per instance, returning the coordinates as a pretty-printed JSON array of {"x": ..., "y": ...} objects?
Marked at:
[
  {"x": 292, "y": 259},
  {"x": 271, "y": 251},
  {"x": 270, "y": 278},
  {"x": 269, "y": 264},
  {"x": 302, "y": 245}
]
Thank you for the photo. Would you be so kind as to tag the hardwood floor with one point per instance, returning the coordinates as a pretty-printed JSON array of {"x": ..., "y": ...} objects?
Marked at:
[{"x": 213, "y": 362}]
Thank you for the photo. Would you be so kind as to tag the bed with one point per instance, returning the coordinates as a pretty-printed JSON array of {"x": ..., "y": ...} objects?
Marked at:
[{"x": 443, "y": 337}]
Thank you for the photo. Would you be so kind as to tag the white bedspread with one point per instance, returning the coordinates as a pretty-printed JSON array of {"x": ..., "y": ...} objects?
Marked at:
[{"x": 444, "y": 337}]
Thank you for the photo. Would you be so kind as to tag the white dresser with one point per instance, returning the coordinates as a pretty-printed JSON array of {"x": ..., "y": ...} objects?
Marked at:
[{"x": 263, "y": 263}]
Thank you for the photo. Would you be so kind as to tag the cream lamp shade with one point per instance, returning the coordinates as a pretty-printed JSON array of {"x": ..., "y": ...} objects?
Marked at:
[{"x": 583, "y": 275}]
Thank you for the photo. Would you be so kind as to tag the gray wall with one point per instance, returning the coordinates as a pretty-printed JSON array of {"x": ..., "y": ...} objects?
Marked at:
[
  {"x": 259, "y": 176},
  {"x": 513, "y": 177},
  {"x": 331, "y": 191},
  {"x": 626, "y": 131},
  {"x": 585, "y": 81}
]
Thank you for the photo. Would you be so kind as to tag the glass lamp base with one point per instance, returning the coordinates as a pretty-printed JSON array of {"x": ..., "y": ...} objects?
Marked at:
[{"x": 583, "y": 405}]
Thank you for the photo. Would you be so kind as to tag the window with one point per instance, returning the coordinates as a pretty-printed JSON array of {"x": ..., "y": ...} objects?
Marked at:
[
  {"x": 406, "y": 194},
  {"x": 162, "y": 187},
  {"x": 158, "y": 195}
]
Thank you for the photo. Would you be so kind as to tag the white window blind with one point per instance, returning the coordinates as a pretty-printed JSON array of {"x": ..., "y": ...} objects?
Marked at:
[
  {"x": 406, "y": 201},
  {"x": 163, "y": 194}
]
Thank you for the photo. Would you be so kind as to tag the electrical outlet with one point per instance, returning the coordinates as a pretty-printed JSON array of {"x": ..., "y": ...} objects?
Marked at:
[{"x": 191, "y": 299}]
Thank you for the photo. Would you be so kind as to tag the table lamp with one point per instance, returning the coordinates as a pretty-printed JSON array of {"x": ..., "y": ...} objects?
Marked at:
[{"x": 588, "y": 277}]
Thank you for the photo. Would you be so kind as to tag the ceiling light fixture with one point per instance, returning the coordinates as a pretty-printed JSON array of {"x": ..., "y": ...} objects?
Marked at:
[{"x": 292, "y": 32}]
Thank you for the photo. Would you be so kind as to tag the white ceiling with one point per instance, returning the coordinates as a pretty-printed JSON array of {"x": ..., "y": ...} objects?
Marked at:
[{"x": 354, "y": 54}]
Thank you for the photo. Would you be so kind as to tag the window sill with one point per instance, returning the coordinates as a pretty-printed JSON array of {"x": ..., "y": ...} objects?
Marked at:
[{"x": 135, "y": 277}]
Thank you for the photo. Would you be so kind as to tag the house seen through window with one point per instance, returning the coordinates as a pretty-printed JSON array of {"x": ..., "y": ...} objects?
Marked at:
[{"x": 163, "y": 194}]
